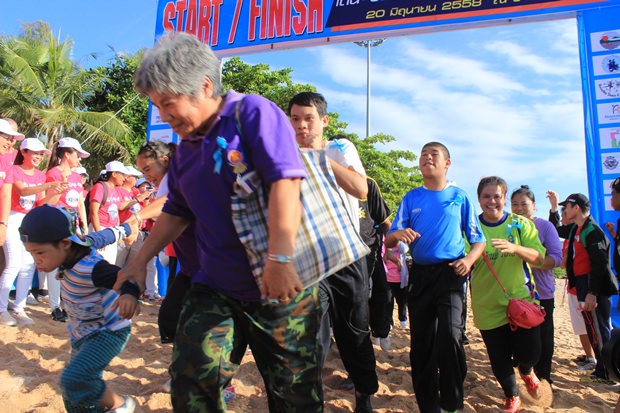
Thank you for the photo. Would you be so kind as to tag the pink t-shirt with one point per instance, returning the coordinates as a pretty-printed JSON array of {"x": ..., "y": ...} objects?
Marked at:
[
  {"x": 127, "y": 196},
  {"x": 71, "y": 197},
  {"x": 23, "y": 203},
  {"x": 108, "y": 212},
  {"x": 392, "y": 272},
  {"x": 6, "y": 168}
]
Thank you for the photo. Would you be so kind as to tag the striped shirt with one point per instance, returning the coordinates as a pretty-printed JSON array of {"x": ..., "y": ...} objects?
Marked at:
[{"x": 88, "y": 297}]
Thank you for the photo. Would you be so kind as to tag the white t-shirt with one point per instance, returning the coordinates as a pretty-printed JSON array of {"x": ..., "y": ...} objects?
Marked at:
[{"x": 345, "y": 153}]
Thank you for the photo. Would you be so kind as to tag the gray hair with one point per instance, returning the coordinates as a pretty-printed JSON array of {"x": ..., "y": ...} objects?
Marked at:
[{"x": 178, "y": 64}]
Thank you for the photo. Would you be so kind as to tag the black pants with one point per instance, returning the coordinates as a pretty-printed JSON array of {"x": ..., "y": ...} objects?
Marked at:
[
  {"x": 438, "y": 366},
  {"x": 543, "y": 367},
  {"x": 344, "y": 300},
  {"x": 598, "y": 323},
  {"x": 400, "y": 296},
  {"x": 171, "y": 307},
  {"x": 380, "y": 299},
  {"x": 503, "y": 345}
]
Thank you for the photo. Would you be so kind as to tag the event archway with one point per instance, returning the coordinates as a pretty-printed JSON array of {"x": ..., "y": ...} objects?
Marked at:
[{"x": 235, "y": 27}]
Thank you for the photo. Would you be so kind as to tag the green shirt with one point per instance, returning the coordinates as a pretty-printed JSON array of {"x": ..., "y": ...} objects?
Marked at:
[{"x": 488, "y": 301}]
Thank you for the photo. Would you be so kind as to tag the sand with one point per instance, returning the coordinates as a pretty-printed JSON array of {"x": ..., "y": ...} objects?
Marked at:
[{"x": 32, "y": 359}]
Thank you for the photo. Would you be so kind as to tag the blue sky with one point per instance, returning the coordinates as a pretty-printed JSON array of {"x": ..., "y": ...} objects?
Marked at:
[{"x": 506, "y": 100}]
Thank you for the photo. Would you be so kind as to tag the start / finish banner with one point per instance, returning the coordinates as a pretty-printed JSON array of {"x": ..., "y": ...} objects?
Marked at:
[{"x": 233, "y": 27}]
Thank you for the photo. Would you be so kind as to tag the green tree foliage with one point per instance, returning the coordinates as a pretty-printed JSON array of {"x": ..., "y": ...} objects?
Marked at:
[
  {"x": 390, "y": 169},
  {"x": 45, "y": 92},
  {"x": 115, "y": 92},
  {"x": 275, "y": 85}
]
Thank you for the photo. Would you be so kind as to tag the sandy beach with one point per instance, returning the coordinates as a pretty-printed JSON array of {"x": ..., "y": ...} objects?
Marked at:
[{"x": 32, "y": 359}]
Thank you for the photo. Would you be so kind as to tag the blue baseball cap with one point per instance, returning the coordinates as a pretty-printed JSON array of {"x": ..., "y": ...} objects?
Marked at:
[{"x": 49, "y": 223}]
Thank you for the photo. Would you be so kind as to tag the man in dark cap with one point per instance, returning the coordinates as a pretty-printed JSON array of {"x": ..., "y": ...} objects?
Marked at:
[{"x": 588, "y": 270}]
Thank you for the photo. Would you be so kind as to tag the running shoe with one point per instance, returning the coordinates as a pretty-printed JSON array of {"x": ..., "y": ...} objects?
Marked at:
[
  {"x": 385, "y": 343},
  {"x": 59, "y": 315},
  {"x": 22, "y": 319},
  {"x": 593, "y": 378},
  {"x": 229, "y": 393},
  {"x": 128, "y": 406},
  {"x": 581, "y": 359},
  {"x": 512, "y": 404},
  {"x": 6, "y": 319},
  {"x": 588, "y": 365},
  {"x": 30, "y": 300},
  {"x": 532, "y": 384}
]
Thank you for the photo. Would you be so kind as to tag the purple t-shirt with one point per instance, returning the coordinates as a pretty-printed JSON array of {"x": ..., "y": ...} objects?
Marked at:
[
  {"x": 199, "y": 192},
  {"x": 545, "y": 282}
]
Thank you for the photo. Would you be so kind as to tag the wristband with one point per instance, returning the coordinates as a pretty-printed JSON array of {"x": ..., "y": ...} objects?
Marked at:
[{"x": 280, "y": 258}]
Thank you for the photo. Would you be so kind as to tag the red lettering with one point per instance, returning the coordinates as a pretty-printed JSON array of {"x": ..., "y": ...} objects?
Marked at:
[
  {"x": 274, "y": 20},
  {"x": 254, "y": 15},
  {"x": 264, "y": 20},
  {"x": 315, "y": 16},
  {"x": 235, "y": 22},
  {"x": 215, "y": 24},
  {"x": 181, "y": 6},
  {"x": 287, "y": 17},
  {"x": 299, "y": 22},
  {"x": 169, "y": 13},
  {"x": 191, "y": 18},
  {"x": 204, "y": 25}
]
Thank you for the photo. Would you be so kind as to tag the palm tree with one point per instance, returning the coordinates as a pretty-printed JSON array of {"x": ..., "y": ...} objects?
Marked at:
[{"x": 44, "y": 91}]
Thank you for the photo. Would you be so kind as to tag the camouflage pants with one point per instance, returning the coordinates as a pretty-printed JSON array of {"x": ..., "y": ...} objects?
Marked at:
[{"x": 213, "y": 333}]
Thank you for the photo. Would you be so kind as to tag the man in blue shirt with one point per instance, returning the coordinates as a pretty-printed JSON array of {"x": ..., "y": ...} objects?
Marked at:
[{"x": 435, "y": 220}]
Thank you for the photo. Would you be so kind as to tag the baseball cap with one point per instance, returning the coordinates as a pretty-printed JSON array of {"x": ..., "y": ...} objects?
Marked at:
[
  {"x": 35, "y": 145},
  {"x": 73, "y": 143},
  {"x": 7, "y": 129},
  {"x": 48, "y": 223},
  {"x": 133, "y": 171},
  {"x": 141, "y": 181},
  {"x": 116, "y": 166},
  {"x": 578, "y": 199},
  {"x": 81, "y": 170}
]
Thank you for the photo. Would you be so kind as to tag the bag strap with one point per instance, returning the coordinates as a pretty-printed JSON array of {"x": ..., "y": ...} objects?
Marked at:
[{"x": 486, "y": 259}]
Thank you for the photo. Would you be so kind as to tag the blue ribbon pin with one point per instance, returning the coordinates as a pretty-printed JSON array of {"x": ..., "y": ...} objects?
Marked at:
[
  {"x": 509, "y": 227},
  {"x": 458, "y": 200},
  {"x": 339, "y": 145},
  {"x": 219, "y": 153}
]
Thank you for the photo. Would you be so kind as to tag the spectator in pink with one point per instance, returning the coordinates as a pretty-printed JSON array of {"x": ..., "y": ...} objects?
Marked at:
[
  {"x": 105, "y": 202},
  {"x": 29, "y": 189},
  {"x": 8, "y": 136},
  {"x": 66, "y": 156}
]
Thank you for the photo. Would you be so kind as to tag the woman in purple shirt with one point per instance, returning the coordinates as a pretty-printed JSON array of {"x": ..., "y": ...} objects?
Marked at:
[{"x": 524, "y": 204}]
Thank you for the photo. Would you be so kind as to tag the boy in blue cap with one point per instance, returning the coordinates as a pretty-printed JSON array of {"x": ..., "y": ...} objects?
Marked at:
[{"x": 99, "y": 323}]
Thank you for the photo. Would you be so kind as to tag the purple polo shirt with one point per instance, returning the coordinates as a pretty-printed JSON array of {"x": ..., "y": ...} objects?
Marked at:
[
  {"x": 548, "y": 235},
  {"x": 200, "y": 193}
]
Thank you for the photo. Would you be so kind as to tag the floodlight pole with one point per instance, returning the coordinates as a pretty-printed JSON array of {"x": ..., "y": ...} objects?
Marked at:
[{"x": 368, "y": 44}]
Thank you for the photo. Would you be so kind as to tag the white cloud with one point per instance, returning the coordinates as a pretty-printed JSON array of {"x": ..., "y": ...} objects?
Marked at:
[{"x": 520, "y": 56}]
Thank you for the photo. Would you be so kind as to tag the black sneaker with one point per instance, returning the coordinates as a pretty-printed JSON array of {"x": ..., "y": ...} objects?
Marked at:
[
  {"x": 59, "y": 315},
  {"x": 362, "y": 403}
]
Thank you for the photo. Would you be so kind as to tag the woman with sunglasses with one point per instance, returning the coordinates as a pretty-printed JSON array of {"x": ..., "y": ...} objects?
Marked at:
[
  {"x": 512, "y": 246},
  {"x": 28, "y": 189}
]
